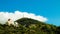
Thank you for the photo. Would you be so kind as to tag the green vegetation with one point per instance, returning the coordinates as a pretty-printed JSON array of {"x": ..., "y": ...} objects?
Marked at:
[{"x": 29, "y": 26}]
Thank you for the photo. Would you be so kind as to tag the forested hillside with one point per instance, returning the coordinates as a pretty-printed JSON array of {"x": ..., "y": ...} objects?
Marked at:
[{"x": 29, "y": 26}]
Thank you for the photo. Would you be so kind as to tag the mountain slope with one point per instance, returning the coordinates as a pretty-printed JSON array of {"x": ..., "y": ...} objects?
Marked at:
[
  {"x": 43, "y": 26},
  {"x": 29, "y": 26}
]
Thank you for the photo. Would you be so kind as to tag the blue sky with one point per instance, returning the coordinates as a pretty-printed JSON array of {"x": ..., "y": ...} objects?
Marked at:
[{"x": 47, "y": 8}]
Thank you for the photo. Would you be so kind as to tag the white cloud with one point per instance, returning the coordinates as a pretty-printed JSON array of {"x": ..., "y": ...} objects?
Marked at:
[{"x": 4, "y": 16}]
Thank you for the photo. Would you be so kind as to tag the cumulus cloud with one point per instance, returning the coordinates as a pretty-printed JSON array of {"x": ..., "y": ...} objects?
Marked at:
[{"x": 4, "y": 16}]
